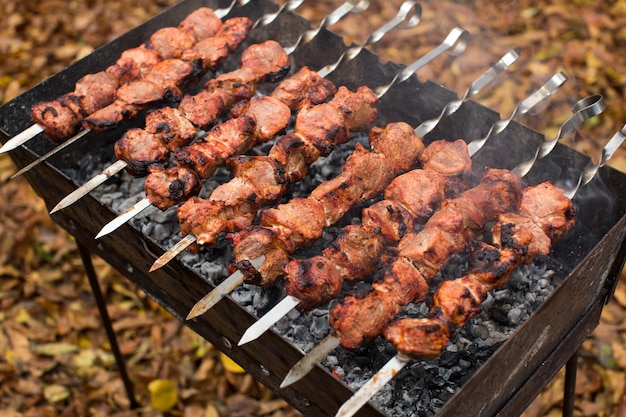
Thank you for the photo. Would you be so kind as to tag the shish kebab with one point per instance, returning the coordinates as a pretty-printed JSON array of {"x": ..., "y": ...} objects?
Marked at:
[
  {"x": 545, "y": 214},
  {"x": 292, "y": 153},
  {"x": 261, "y": 325},
  {"x": 422, "y": 252},
  {"x": 408, "y": 16},
  {"x": 61, "y": 118},
  {"x": 207, "y": 50},
  {"x": 160, "y": 180},
  {"x": 96, "y": 91}
]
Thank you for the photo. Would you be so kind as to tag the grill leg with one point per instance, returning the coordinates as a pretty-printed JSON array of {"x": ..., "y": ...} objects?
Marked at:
[
  {"x": 569, "y": 394},
  {"x": 106, "y": 321}
]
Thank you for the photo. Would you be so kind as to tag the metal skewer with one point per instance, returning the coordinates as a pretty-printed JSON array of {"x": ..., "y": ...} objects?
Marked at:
[
  {"x": 289, "y": 302},
  {"x": 86, "y": 188},
  {"x": 591, "y": 169},
  {"x": 583, "y": 110},
  {"x": 522, "y": 108},
  {"x": 455, "y": 42},
  {"x": 35, "y": 129},
  {"x": 400, "y": 360}
]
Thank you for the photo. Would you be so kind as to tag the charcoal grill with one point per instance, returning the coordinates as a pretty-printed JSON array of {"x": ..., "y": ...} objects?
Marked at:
[{"x": 589, "y": 260}]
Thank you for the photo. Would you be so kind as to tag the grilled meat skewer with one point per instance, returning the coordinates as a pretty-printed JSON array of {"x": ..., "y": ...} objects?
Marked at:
[
  {"x": 545, "y": 214},
  {"x": 163, "y": 83}
]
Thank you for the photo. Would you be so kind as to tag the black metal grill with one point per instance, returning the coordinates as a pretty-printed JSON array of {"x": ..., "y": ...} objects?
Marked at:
[{"x": 589, "y": 260}]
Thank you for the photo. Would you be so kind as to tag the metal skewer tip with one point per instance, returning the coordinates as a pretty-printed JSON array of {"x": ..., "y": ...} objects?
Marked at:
[
  {"x": 21, "y": 138},
  {"x": 308, "y": 362},
  {"x": 182, "y": 244},
  {"x": 117, "y": 222},
  {"x": 228, "y": 285},
  {"x": 52, "y": 152},
  {"x": 269, "y": 319},
  {"x": 371, "y": 387},
  {"x": 89, "y": 186}
]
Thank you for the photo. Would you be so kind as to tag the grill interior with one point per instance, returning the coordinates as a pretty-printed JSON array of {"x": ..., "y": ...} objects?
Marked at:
[{"x": 588, "y": 261}]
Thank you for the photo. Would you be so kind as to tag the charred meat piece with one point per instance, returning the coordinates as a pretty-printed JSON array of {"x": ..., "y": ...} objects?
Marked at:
[
  {"x": 110, "y": 116},
  {"x": 226, "y": 139},
  {"x": 170, "y": 42},
  {"x": 202, "y": 23},
  {"x": 234, "y": 31},
  {"x": 295, "y": 155},
  {"x": 140, "y": 149},
  {"x": 271, "y": 116},
  {"x": 304, "y": 89},
  {"x": 134, "y": 64},
  {"x": 172, "y": 75},
  {"x": 210, "y": 52},
  {"x": 95, "y": 91},
  {"x": 268, "y": 60},
  {"x": 174, "y": 130},
  {"x": 180, "y": 183},
  {"x": 58, "y": 121}
]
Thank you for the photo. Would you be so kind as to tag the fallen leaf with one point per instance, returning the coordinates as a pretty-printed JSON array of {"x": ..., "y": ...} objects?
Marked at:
[
  {"x": 55, "y": 393},
  {"x": 163, "y": 394},
  {"x": 230, "y": 365}
]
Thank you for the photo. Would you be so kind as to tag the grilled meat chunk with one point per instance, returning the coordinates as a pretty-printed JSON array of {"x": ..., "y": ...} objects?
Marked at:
[
  {"x": 304, "y": 89},
  {"x": 180, "y": 183},
  {"x": 58, "y": 121},
  {"x": 170, "y": 42},
  {"x": 172, "y": 128},
  {"x": 226, "y": 139},
  {"x": 94, "y": 91},
  {"x": 202, "y": 23},
  {"x": 140, "y": 149}
]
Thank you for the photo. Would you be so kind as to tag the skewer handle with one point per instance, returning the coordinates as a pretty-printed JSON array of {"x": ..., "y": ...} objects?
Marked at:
[
  {"x": 474, "y": 88},
  {"x": 402, "y": 20},
  {"x": 455, "y": 43},
  {"x": 583, "y": 110},
  {"x": 522, "y": 108},
  {"x": 330, "y": 19},
  {"x": 591, "y": 168}
]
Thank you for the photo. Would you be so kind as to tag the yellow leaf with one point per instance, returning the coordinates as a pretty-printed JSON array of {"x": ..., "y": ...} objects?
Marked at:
[
  {"x": 55, "y": 393},
  {"x": 163, "y": 394},
  {"x": 53, "y": 349},
  {"x": 230, "y": 365}
]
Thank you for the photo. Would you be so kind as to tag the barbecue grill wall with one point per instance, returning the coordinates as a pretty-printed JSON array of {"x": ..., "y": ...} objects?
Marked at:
[{"x": 590, "y": 258}]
